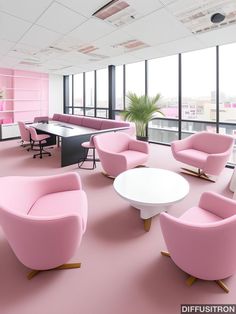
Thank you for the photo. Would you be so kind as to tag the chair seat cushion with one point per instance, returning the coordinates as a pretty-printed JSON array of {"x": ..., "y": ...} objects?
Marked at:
[
  {"x": 61, "y": 203},
  {"x": 41, "y": 137},
  {"x": 134, "y": 158},
  {"x": 199, "y": 215},
  {"x": 193, "y": 157},
  {"x": 87, "y": 145}
]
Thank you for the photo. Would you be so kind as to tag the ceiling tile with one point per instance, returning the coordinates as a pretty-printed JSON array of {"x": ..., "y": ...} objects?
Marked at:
[
  {"x": 182, "y": 45},
  {"x": 12, "y": 28},
  {"x": 113, "y": 39},
  {"x": 81, "y": 6},
  {"x": 165, "y": 2},
  {"x": 25, "y": 9},
  {"x": 66, "y": 20},
  {"x": 148, "y": 53},
  {"x": 158, "y": 27},
  {"x": 145, "y": 7},
  {"x": 5, "y": 46},
  {"x": 39, "y": 37},
  {"x": 219, "y": 36},
  {"x": 74, "y": 58},
  {"x": 92, "y": 30},
  {"x": 124, "y": 59}
]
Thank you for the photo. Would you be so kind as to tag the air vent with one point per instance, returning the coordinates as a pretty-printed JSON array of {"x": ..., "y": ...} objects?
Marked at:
[
  {"x": 197, "y": 16},
  {"x": 97, "y": 57},
  {"x": 87, "y": 49},
  {"x": 61, "y": 68},
  {"x": 51, "y": 50},
  {"x": 116, "y": 12},
  {"x": 110, "y": 9},
  {"x": 57, "y": 49},
  {"x": 131, "y": 45}
]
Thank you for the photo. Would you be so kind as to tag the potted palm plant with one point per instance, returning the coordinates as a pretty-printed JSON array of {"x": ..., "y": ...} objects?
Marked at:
[{"x": 141, "y": 110}]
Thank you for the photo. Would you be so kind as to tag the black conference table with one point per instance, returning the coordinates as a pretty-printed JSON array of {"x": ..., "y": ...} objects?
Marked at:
[{"x": 72, "y": 136}]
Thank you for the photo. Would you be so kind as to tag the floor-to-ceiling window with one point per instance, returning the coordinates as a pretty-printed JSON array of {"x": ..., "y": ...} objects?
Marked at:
[
  {"x": 69, "y": 107},
  {"x": 227, "y": 92},
  {"x": 198, "y": 91},
  {"x": 102, "y": 93},
  {"x": 90, "y": 93},
  {"x": 163, "y": 79},
  {"x": 78, "y": 94},
  {"x": 135, "y": 78}
]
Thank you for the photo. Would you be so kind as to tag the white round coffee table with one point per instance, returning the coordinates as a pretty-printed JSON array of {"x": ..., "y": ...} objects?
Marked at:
[{"x": 151, "y": 190}]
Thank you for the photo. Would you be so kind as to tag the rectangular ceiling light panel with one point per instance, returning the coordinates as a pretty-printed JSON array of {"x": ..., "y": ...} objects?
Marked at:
[
  {"x": 132, "y": 45},
  {"x": 197, "y": 15}
]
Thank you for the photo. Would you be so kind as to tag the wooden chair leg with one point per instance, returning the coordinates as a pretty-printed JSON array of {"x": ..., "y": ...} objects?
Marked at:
[
  {"x": 190, "y": 280},
  {"x": 198, "y": 174},
  {"x": 222, "y": 285},
  {"x": 33, "y": 273},
  {"x": 107, "y": 175},
  {"x": 164, "y": 253},
  {"x": 147, "y": 224}
]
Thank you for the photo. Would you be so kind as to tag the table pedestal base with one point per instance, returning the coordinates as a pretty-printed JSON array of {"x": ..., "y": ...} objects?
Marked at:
[{"x": 147, "y": 212}]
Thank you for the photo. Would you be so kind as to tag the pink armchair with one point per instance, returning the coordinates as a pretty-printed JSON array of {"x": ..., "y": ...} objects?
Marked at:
[
  {"x": 119, "y": 152},
  {"x": 45, "y": 220},
  {"x": 206, "y": 151},
  {"x": 202, "y": 241}
]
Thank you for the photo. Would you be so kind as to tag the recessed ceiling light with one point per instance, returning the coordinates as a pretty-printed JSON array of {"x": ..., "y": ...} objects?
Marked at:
[{"x": 217, "y": 18}]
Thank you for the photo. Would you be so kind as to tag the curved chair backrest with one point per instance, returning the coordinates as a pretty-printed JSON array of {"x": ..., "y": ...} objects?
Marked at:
[
  {"x": 206, "y": 251},
  {"x": 33, "y": 134},
  {"x": 113, "y": 142},
  {"x": 24, "y": 131},
  {"x": 212, "y": 143},
  {"x": 41, "y": 119},
  {"x": 38, "y": 242}
]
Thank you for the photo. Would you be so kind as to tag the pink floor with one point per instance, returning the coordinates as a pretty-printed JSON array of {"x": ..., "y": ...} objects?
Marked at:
[{"x": 122, "y": 269}]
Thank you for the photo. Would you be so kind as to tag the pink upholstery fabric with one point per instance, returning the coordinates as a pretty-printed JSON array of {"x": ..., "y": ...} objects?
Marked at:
[
  {"x": 64, "y": 118},
  {"x": 119, "y": 152},
  {"x": 201, "y": 242},
  {"x": 37, "y": 137},
  {"x": 76, "y": 120},
  {"x": 111, "y": 124},
  {"x": 41, "y": 240},
  {"x": 41, "y": 119},
  {"x": 93, "y": 123},
  {"x": 54, "y": 204},
  {"x": 24, "y": 131},
  {"x": 204, "y": 150},
  {"x": 87, "y": 145},
  {"x": 193, "y": 157},
  {"x": 56, "y": 116},
  {"x": 199, "y": 215}
]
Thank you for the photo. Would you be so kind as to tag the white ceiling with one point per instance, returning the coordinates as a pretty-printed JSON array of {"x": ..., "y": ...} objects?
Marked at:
[{"x": 55, "y": 36}]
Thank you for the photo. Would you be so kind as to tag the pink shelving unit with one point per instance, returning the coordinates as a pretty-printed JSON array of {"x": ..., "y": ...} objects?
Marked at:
[{"x": 24, "y": 95}]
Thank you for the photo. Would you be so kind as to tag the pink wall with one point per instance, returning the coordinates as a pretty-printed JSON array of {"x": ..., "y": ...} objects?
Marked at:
[{"x": 24, "y": 95}]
